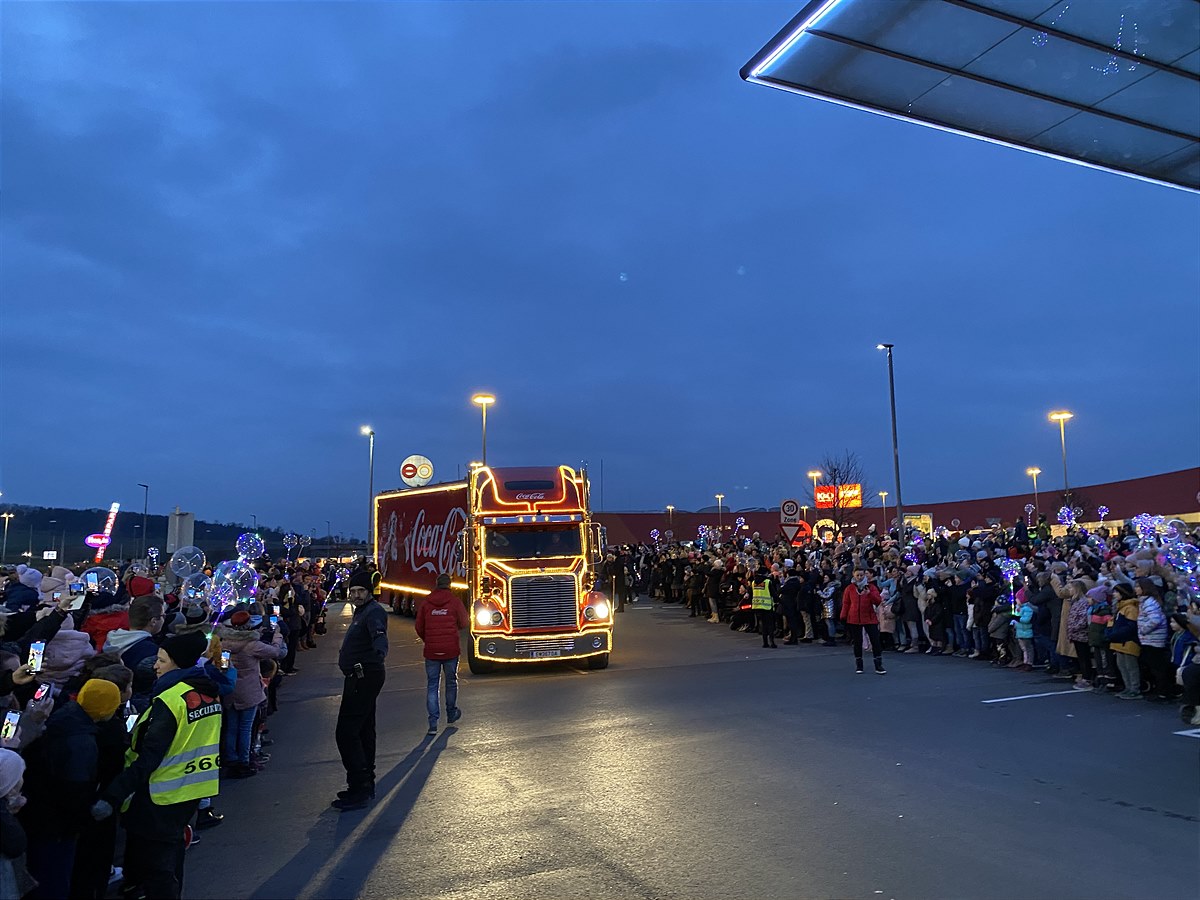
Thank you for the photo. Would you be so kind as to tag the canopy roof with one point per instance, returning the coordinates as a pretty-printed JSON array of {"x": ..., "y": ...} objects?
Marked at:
[{"x": 1112, "y": 84}]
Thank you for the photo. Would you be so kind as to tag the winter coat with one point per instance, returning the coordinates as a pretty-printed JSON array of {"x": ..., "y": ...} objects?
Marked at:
[
  {"x": 65, "y": 654},
  {"x": 887, "y": 619},
  {"x": 366, "y": 640},
  {"x": 1077, "y": 620},
  {"x": 1024, "y": 617},
  {"x": 908, "y": 594},
  {"x": 1152, "y": 624},
  {"x": 246, "y": 649},
  {"x": 1183, "y": 649},
  {"x": 1122, "y": 634},
  {"x": 20, "y": 597},
  {"x": 98, "y": 626},
  {"x": 60, "y": 775},
  {"x": 134, "y": 646},
  {"x": 440, "y": 618},
  {"x": 1000, "y": 621},
  {"x": 858, "y": 605}
]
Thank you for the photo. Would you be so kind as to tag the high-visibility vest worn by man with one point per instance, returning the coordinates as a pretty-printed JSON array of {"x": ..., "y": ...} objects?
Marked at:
[{"x": 174, "y": 761}]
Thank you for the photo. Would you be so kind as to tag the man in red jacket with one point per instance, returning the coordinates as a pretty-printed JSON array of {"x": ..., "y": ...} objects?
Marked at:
[
  {"x": 440, "y": 617},
  {"x": 859, "y": 601}
]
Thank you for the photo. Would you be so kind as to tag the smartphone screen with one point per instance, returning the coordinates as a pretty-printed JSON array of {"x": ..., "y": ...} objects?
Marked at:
[
  {"x": 276, "y": 611},
  {"x": 57, "y": 595},
  {"x": 224, "y": 659},
  {"x": 9, "y": 730},
  {"x": 130, "y": 721},
  {"x": 275, "y": 620},
  {"x": 36, "y": 650},
  {"x": 42, "y": 691},
  {"x": 93, "y": 581},
  {"x": 76, "y": 587}
]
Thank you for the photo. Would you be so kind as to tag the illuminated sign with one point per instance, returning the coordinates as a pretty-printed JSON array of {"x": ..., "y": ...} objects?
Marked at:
[
  {"x": 107, "y": 534},
  {"x": 842, "y": 496},
  {"x": 416, "y": 471},
  {"x": 96, "y": 541}
]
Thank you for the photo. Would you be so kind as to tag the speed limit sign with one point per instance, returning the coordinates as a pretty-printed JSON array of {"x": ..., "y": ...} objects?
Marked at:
[{"x": 789, "y": 512}]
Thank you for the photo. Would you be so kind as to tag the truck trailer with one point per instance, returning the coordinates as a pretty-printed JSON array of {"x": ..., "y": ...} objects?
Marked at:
[{"x": 522, "y": 552}]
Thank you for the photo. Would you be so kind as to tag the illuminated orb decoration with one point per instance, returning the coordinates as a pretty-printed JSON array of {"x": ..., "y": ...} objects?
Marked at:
[
  {"x": 187, "y": 561},
  {"x": 1066, "y": 516},
  {"x": 1029, "y": 509},
  {"x": 196, "y": 587},
  {"x": 250, "y": 546},
  {"x": 154, "y": 553},
  {"x": 342, "y": 575},
  {"x": 239, "y": 576},
  {"x": 100, "y": 578},
  {"x": 1102, "y": 512},
  {"x": 1010, "y": 568}
]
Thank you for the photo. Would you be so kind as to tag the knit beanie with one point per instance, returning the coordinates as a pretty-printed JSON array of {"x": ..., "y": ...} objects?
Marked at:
[
  {"x": 99, "y": 699},
  {"x": 361, "y": 579},
  {"x": 12, "y": 770},
  {"x": 186, "y": 649},
  {"x": 140, "y": 587},
  {"x": 29, "y": 577}
]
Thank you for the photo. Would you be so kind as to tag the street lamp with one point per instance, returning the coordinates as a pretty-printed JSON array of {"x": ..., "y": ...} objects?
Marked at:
[
  {"x": 804, "y": 509},
  {"x": 814, "y": 475},
  {"x": 255, "y": 518},
  {"x": 145, "y": 506},
  {"x": 484, "y": 401},
  {"x": 720, "y": 497},
  {"x": 1033, "y": 472},
  {"x": 895, "y": 441},
  {"x": 6, "y": 516},
  {"x": 670, "y": 516},
  {"x": 883, "y": 497},
  {"x": 369, "y": 432},
  {"x": 1060, "y": 416}
]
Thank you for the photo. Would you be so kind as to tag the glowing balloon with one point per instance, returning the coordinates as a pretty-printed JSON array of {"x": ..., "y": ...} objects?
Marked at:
[
  {"x": 290, "y": 541},
  {"x": 187, "y": 561},
  {"x": 239, "y": 576},
  {"x": 343, "y": 574},
  {"x": 154, "y": 553},
  {"x": 305, "y": 540},
  {"x": 106, "y": 579},
  {"x": 250, "y": 546},
  {"x": 196, "y": 586}
]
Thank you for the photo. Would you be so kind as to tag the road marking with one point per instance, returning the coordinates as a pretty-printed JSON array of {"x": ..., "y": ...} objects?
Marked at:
[
  {"x": 1193, "y": 733},
  {"x": 1031, "y": 696}
]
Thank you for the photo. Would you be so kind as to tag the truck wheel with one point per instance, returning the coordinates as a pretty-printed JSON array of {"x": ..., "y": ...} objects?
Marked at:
[
  {"x": 475, "y": 664},
  {"x": 599, "y": 661}
]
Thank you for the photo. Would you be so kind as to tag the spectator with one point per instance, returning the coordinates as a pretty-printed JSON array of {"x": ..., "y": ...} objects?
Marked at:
[
  {"x": 138, "y": 644},
  {"x": 107, "y": 615},
  {"x": 1122, "y": 636},
  {"x": 440, "y": 618},
  {"x": 858, "y": 612},
  {"x": 247, "y": 648},
  {"x": 14, "y": 878}
]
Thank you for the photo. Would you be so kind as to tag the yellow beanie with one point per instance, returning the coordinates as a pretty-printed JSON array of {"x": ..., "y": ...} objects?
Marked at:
[{"x": 99, "y": 699}]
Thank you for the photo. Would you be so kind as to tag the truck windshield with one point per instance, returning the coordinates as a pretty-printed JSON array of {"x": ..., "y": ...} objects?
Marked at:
[{"x": 532, "y": 543}]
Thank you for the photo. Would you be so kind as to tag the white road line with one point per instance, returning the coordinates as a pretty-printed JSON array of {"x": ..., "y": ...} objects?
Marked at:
[{"x": 1031, "y": 696}]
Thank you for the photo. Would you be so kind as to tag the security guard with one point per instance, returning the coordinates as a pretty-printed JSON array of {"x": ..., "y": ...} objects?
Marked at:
[
  {"x": 763, "y": 603},
  {"x": 173, "y": 763},
  {"x": 376, "y": 581}
]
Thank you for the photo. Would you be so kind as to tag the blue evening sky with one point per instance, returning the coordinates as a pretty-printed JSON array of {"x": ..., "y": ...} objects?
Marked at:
[{"x": 233, "y": 233}]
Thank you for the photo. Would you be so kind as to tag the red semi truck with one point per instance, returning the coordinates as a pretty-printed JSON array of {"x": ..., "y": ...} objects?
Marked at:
[{"x": 521, "y": 549}]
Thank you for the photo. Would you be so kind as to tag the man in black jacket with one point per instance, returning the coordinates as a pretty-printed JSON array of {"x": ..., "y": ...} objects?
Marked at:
[{"x": 361, "y": 660}]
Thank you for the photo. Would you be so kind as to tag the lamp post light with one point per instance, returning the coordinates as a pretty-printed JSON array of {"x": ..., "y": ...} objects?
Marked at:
[
  {"x": 670, "y": 516},
  {"x": 804, "y": 509},
  {"x": 883, "y": 497},
  {"x": 720, "y": 497},
  {"x": 145, "y": 507},
  {"x": 1033, "y": 472},
  {"x": 484, "y": 401},
  {"x": 1061, "y": 416},
  {"x": 369, "y": 432},
  {"x": 895, "y": 441},
  {"x": 814, "y": 475},
  {"x": 6, "y": 517}
]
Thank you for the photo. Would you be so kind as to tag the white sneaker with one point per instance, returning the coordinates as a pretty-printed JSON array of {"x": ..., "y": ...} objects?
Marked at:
[{"x": 713, "y": 619}]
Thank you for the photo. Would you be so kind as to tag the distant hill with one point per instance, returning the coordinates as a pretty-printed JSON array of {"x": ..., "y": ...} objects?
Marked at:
[{"x": 40, "y": 528}]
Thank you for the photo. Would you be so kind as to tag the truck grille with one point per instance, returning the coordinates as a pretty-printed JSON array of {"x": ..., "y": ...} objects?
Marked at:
[
  {"x": 544, "y": 601},
  {"x": 566, "y": 645}
]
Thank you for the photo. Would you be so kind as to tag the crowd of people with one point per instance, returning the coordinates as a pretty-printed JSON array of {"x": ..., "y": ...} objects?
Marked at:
[
  {"x": 1107, "y": 611},
  {"x": 124, "y": 712}
]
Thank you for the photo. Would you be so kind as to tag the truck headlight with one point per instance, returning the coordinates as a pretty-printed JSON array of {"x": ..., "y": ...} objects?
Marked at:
[
  {"x": 483, "y": 618},
  {"x": 598, "y": 610}
]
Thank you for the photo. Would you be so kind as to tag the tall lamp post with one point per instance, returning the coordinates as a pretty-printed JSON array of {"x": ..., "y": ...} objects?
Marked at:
[
  {"x": 6, "y": 517},
  {"x": 255, "y": 518},
  {"x": 883, "y": 497},
  {"x": 720, "y": 497},
  {"x": 145, "y": 507},
  {"x": 804, "y": 509},
  {"x": 1061, "y": 416},
  {"x": 484, "y": 401},
  {"x": 670, "y": 516},
  {"x": 1033, "y": 472},
  {"x": 369, "y": 432},
  {"x": 814, "y": 475},
  {"x": 895, "y": 442}
]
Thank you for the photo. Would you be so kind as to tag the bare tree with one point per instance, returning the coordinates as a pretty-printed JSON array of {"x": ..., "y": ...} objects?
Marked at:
[{"x": 843, "y": 468}]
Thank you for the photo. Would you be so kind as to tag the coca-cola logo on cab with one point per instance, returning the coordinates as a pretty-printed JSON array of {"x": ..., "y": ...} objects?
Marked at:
[
  {"x": 541, "y": 496},
  {"x": 434, "y": 547}
]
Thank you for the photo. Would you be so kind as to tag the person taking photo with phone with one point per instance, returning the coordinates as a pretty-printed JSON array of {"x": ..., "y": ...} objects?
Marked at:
[{"x": 361, "y": 659}]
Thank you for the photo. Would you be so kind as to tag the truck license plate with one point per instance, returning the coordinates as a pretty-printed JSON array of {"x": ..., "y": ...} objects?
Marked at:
[{"x": 542, "y": 654}]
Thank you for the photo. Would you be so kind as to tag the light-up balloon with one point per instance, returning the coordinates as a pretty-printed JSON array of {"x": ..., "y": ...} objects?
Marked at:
[{"x": 187, "y": 561}]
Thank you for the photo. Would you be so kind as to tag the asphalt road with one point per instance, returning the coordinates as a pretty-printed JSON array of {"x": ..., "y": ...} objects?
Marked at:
[{"x": 700, "y": 765}]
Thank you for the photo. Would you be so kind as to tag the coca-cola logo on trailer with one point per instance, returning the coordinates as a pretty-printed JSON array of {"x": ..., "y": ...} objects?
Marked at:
[
  {"x": 541, "y": 496},
  {"x": 434, "y": 547}
]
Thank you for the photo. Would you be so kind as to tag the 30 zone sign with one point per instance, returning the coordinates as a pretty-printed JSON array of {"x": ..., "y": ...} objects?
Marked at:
[{"x": 416, "y": 471}]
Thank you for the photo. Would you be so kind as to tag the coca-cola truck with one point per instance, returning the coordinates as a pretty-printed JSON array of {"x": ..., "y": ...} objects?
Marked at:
[{"x": 521, "y": 549}]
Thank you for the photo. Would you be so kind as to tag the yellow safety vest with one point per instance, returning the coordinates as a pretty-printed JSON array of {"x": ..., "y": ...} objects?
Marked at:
[
  {"x": 761, "y": 598},
  {"x": 192, "y": 766},
  {"x": 376, "y": 581}
]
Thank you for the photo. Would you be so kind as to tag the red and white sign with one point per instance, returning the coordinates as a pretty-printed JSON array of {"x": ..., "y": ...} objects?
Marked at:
[
  {"x": 416, "y": 471},
  {"x": 417, "y": 535},
  {"x": 108, "y": 527},
  {"x": 96, "y": 541},
  {"x": 798, "y": 533},
  {"x": 789, "y": 512},
  {"x": 842, "y": 496}
]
